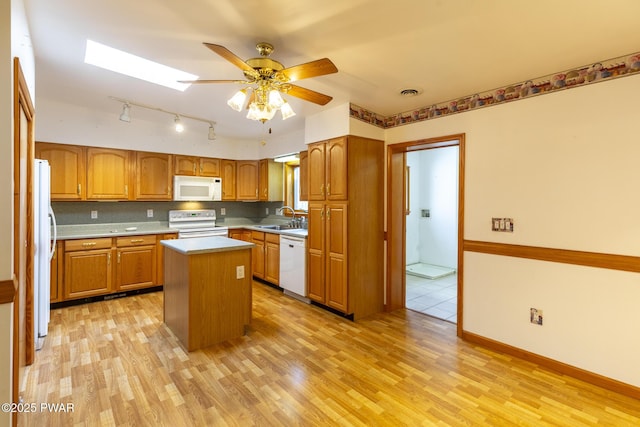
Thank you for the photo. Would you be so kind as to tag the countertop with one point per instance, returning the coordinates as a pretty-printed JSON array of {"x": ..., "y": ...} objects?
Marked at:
[
  {"x": 91, "y": 231},
  {"x": 206, "y": 245}
]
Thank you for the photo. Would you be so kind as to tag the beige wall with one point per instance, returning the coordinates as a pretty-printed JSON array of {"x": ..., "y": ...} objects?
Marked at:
[{"x": 564, "y": 166}]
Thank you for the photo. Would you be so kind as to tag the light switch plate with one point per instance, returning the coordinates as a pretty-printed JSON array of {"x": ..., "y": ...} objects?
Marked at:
[
  {"x": 223, "y": 211},
  {"x": 239, "y": 271}
]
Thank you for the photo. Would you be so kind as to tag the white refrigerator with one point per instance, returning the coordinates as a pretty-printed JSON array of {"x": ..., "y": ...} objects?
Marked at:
[{"x": 44, "y": 232}]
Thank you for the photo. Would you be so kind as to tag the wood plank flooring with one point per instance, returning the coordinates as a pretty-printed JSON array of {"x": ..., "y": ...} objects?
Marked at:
[{"x": 119, "y": 365}]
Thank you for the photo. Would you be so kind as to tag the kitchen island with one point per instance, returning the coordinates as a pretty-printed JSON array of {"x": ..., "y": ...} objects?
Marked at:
[{"x": 207, "y": 289}]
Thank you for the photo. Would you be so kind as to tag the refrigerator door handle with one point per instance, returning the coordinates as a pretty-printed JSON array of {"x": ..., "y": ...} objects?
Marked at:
[{"x": 55, "y": 233}]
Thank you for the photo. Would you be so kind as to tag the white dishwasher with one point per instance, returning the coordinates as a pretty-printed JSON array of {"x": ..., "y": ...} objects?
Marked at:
[{"x": 293, "y": 266}]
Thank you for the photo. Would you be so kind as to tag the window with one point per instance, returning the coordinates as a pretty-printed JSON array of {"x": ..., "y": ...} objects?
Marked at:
[{"x": 298, "y": 205}]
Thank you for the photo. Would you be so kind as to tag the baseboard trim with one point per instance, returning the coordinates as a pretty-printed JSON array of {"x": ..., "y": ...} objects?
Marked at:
[
  {"x": 563, "y": 368},
  {"x": 107, "y": 297}
]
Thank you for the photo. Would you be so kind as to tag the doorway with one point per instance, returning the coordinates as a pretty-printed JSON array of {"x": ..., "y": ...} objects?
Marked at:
[
  {"x": 407, "y": 209},
  {"x": 431, "y": 232}
]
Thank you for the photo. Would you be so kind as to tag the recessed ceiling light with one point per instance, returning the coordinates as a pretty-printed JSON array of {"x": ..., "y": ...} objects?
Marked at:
[{"x": 134, "y": 66}]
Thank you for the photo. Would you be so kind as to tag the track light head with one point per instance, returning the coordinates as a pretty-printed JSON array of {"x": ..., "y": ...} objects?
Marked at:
[
  {"x": 212, "y": 132},
  {"x": 124, "y": 116},
  {"x": 179, "y": 125}
]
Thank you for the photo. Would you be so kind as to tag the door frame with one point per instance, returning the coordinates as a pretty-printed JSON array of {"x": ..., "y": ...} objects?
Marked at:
[{"x": 396, "y": 218}]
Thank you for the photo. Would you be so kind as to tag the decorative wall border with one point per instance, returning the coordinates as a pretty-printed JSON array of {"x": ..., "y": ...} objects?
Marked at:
[{"x": 588, "y": 74}]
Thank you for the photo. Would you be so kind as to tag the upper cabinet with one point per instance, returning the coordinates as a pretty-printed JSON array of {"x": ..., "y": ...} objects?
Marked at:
[
  {"x": 246, "y": 180},
  {"x": 153, "y": 176},
  {"x": 328, "y": 170},
  {"x": 196, "y": 166},
  {"x": 228, "y": 174},
  {"x": 107, "y": 174},
  {"x": 68, "y": 170},
  {"x": 304, "y": 175},
  {"x": 270, "y": 181}
]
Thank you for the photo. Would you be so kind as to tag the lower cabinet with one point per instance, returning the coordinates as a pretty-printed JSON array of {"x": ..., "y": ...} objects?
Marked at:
[
  {"x": 87, "y": 268},
  {"x": 266, "y": 256},
  {"x": 136, "y": 262}
]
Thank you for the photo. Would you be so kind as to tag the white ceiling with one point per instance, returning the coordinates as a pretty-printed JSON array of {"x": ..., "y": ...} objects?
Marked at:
[{"x": 446, "y": 48}]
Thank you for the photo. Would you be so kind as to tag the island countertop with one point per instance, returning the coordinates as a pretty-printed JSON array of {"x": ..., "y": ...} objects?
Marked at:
[{"x": 202, "y": 245}]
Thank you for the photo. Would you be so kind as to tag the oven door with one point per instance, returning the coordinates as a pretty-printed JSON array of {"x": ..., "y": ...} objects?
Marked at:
[{"x": 200, "y": 232}]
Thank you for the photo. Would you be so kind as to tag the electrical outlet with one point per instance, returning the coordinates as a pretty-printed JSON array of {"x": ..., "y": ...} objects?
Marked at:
[
  {"x": 94, "y": 214},
  {"x": 535, "y": 316},
  {"x": 239, "y": 271},
  {"x": 223, "y": 211},
  {"x": 266, "y": 210},
  {"x": 149, "y": 213}
]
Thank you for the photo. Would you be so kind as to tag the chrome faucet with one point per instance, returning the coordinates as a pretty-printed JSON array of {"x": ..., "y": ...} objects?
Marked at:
[{"x": 293, "y": 213}]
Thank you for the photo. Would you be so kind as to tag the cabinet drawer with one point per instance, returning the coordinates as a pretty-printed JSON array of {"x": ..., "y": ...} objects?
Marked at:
[
  {"x": 272, "y": 237},
  {"x": 257, "y": 235},
  {"x": 136, "y": 240},
  {"x": 87, "y": 244}
]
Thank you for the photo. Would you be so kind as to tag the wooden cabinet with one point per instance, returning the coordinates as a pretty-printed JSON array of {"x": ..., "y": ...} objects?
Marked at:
[
  {"x": 153, "y": 176},
  {"x": 160, "y": 255},
  {"x": 228, "y": 174},
  {"x": 136, "y": 262},
  {"x": 247, "y": 180},
  {"x": 266, "y": 256},
  {"x": 107, "y": 174},
  {"x": 272, "y": 258},
  {"x": 240, "y": 234},
  {"x": 87, "y": 268},
  {"x": 68, "y": 171},
  {"x": 346, "y": 236},
  {"x": 196, "y": 166},
  {"x": 257, "y": 258},
  {"x": 304, "y": 175},
  {"x": 56, "y": 273},
  {"x": 270, "y": 181}
]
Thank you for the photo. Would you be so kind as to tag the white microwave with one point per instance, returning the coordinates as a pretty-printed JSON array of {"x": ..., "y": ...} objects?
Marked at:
[{"x": 197, "y": 188}]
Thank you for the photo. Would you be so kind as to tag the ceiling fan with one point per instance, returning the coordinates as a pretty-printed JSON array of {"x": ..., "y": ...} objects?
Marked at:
[{"x": 266, "y": 79}]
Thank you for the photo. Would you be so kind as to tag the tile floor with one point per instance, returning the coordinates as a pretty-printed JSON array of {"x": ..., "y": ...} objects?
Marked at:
[{"x": 435, "y": 297}]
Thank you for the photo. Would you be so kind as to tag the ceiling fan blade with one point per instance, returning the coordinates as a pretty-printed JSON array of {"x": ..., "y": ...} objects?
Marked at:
[
  {"x": 203, "y": 81},
  {"x": 230, "y": 56},
  {"x": 252, "y": 98},
  {"x": 309, "y": 95},
  {"x": 316, "y": 68}
]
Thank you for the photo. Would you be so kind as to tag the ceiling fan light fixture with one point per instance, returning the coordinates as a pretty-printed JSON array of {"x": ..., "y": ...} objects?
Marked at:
[
  {"x": 286, "y": 111},
  {"x": 237, "y": 101},
  {"x": 179, "y": 125},
  {"x": 124, "y": 116},
  {"x": 275, "y": 99},
  {"x": 262, "y": 113}
]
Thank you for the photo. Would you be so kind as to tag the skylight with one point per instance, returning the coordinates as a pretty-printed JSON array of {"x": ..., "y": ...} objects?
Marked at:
[{"x": 134, "y": 66}]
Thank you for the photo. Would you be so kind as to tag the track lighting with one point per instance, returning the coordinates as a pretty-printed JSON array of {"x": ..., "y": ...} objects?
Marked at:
[
  {"x": 124, "y": 116},
  {"x": 179, "y": 126},
  {"x": 177, "y": 117}
]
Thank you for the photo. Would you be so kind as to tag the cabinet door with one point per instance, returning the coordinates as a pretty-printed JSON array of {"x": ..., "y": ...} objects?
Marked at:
[
  {"x": 136, "y": 267},
  {"x": 87, "y": 273},
  {"x": 258, "y": 254},
  {"x": 263, "y": 180},
  {"x": 228, "y": 168},
  {"x": 247, "y": 180},
  {"x": 153, "y": 176},
  {"x": 315, "y": 243},
  {"x": 272, "y": 258},
  {"x": 316, "y": 171},
  {"x": 108, "y": 174},
  {"x": 336, "y": 161},
  {"x": 336, "y": 256},
  {"x": 185, "y": 165},
  {"x": 209, "y": 167},
  {"x": 56, "y": 273},
  {"x": 304, "y": 175},
  {"x": 68, "y": 172}
]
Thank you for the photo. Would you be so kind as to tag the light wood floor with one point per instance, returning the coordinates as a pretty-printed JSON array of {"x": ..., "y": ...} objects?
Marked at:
[{"x": 299, "y": 365}]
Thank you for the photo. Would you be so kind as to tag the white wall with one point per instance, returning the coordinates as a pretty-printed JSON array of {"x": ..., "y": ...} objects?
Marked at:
[
  {"x": 434, "y": 186},
  {"x": 564, "y": 166},
  {"x": 330, "y": 123}
]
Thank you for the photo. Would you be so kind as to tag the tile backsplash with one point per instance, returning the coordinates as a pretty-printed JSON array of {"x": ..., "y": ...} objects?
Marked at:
[{"x": 71, "y": 213}]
